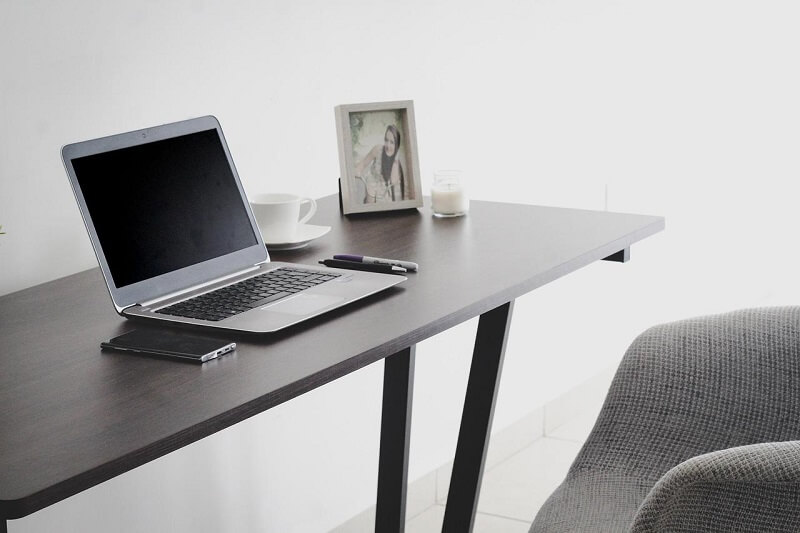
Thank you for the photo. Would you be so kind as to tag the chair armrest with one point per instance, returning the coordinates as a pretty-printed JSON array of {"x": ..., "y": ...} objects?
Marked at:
[{"x": 747, "y": 488}]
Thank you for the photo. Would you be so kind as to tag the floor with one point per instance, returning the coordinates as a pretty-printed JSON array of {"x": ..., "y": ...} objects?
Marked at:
[{"x": 513, "y": 490}]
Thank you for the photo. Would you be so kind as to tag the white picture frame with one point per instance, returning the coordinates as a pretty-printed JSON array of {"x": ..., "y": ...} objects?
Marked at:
[{"x": 372, "y": 178}]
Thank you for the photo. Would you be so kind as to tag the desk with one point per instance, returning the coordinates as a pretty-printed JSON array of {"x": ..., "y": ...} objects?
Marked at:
[{"x": 74, "y": 417}]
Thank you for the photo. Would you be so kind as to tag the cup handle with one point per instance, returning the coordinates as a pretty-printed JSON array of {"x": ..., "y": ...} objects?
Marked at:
[{"x": 311, "y": 210}]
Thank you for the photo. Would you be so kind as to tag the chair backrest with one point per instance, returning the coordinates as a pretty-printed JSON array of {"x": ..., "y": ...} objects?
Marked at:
[{"x": 699, "y": 385}]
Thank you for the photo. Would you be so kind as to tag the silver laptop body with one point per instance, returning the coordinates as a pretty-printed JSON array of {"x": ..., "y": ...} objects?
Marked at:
[{"x": 169, "y": 221}]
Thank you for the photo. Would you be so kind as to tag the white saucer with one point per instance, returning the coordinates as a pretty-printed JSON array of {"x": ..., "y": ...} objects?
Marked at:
[{"x": 305, "y": 234}]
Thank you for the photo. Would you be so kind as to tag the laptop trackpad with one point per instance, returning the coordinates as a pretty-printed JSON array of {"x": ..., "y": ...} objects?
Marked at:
[{"x": 304, "y": 304}]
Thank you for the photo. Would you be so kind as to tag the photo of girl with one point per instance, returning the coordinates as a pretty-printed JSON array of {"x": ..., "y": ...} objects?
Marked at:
[{"x": 380, "y": 172}]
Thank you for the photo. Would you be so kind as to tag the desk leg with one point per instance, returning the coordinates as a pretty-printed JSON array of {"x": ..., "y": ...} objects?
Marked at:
[
  {"x": 398, "y": 389},
  {"x": 4, "y": 526},
  {"x": 476, "y": 419}
]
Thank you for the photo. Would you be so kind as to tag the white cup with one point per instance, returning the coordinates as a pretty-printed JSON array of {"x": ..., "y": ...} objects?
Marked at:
[{"x": 278, "y": 215}]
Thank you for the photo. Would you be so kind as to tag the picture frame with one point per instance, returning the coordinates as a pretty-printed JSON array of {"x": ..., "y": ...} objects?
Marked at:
[{"x": 378, "y": 161}]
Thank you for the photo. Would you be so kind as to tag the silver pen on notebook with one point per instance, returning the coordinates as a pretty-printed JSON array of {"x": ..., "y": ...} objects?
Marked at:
[{"x": 408, "y": 265}]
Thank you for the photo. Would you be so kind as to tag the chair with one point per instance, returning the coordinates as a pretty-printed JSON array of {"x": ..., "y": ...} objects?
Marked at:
[{"x": 699, "y": 432}]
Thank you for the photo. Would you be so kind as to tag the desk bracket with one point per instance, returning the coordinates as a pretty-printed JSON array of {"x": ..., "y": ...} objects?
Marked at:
[
  {"x": 398, "y": 392},
  {"x": 623, "y": 256}
]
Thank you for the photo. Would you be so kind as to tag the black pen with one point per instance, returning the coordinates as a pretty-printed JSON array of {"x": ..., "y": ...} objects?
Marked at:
[
  {"x": 408, "y": 265},
  {"x": 352, "y": 265}
]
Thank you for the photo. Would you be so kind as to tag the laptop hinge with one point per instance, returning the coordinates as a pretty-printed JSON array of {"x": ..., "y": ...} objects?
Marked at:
[{"x": 200, "y": 286}]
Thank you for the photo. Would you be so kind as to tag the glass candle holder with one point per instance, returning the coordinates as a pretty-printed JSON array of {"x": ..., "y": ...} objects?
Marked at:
[{"x": 447, "y": 194}]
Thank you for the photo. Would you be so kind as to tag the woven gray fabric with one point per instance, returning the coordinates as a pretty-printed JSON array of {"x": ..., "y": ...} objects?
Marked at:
[
  {"x": 748, "y": 488},
  {"x": 683, "y": 390}
]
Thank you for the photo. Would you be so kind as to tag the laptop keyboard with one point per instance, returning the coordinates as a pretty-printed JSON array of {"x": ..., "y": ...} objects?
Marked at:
[{"x": 248, "y": 294}]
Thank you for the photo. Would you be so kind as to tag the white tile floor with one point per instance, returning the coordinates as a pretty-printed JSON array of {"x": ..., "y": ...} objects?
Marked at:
[{"x": 513, "y": 490}]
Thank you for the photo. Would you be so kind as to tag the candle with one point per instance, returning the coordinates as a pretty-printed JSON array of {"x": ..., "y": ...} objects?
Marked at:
[{"x": 447, "y": 195}]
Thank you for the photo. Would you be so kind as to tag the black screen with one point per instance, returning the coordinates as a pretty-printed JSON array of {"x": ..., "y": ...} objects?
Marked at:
[{"x": 163, "y": 206}]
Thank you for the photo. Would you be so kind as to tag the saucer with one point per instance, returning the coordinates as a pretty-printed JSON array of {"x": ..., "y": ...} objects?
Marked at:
[{"x": 305, "y": 234}]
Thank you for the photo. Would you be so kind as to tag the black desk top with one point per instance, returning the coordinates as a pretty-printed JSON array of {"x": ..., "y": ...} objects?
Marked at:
[{"x": 74, "y": 416}]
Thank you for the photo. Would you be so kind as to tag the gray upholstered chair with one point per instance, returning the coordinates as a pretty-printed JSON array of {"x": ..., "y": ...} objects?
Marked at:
[{"x": 700, "y": 431}]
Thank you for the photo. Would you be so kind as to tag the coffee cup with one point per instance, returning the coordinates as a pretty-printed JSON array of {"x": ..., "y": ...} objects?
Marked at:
[{"x": 278, "y": 215}]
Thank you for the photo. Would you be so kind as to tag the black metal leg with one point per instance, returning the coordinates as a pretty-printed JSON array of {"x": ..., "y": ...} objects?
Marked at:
[
  {"x": 3, "y": 526},
  {"x": 623, "y": 256},
  {"x": 398, "y": 390},
  {"x": 476, "y": 419}
]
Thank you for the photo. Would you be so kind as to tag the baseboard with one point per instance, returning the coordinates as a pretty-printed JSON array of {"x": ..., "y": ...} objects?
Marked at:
[{"x": 587, "y": 395}]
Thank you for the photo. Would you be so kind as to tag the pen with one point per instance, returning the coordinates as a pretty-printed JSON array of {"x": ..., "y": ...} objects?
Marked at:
[
  {"x": 352, "y": 265},
  {"x": 408, "y": 265}
]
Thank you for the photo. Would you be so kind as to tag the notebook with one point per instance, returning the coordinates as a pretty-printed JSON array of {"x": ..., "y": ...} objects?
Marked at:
[{"x": 176, "y": 240}]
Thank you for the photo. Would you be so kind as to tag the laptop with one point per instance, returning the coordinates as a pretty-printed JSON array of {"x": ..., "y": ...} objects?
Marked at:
[{"x": 176, "y": 239}]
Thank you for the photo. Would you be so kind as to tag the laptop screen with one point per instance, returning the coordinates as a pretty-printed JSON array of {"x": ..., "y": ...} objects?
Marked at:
[{"x": 164, "y": 205}]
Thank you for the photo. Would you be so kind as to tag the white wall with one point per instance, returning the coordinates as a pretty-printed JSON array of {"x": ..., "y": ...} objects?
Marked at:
[{"x": 687, "y": 109}]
